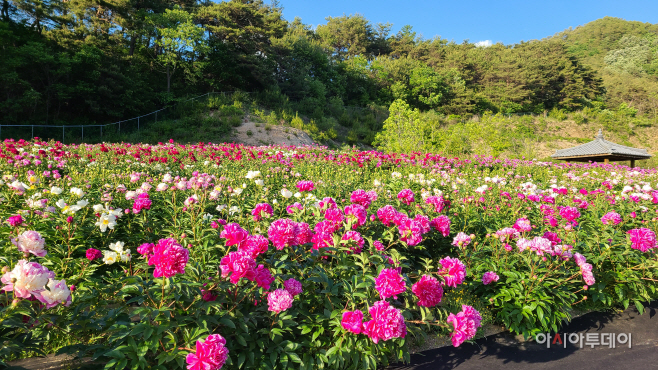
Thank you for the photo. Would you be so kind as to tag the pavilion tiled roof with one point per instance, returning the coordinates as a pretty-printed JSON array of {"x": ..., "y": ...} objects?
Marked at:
[{"x": 601, "y": 147}]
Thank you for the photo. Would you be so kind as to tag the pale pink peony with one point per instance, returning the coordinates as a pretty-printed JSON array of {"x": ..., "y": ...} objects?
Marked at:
[
  {"x": 522, "y": 225},
  {"x": 27, "y": 279},
  {"x": 279, "y": 300},
  {"x": 611, "y": 218},
  {"x": 453, "y": 271},
  {"x": 489, "y": 277},
  {"x": 441, "y": 224},
  {"x": 233, "y": 234},
  {"x": 642, "y": 239},
  {"x": 352, "y": 321},
  {"x": 30, "y": 242},
  {"x": 293, "y": 287},
  {"x": 57, "y": 293},
  {"x": 390, "y": 283},
  {"x": 429, "y": 291},
  {"x": 461, "y": 240},
  {"x": 507, "y": 234},
  {"x": 579, "y": 259},
  {"x": 210, "y": 354},
  {"x": 262, "y": 210},
  {"x": 169, "y": 258},
  {"x": 239, "y": 265},
  {"x": 387, "y": 323}
]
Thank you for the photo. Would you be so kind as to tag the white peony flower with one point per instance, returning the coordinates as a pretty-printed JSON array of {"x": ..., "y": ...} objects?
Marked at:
[
  {"x": 109, "y": 257},
  {"x": 117, "y": 246},
  {"x": 286, "y": 193},
  {"x": 77, "y": 192}
]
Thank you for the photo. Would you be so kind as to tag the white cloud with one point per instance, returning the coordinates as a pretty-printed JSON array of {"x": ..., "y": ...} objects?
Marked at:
[{"x": 483, "y": 44}]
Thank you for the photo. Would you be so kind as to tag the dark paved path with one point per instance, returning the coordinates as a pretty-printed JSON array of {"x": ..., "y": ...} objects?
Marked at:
[{"x": 506, "y": 351}]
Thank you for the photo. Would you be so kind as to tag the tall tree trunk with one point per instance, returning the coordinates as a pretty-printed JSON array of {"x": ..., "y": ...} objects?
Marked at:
[
  {"x": 168, "y": 79},
  {"x": 133, "y": 40},
  {"x": 5, "y": 10}
]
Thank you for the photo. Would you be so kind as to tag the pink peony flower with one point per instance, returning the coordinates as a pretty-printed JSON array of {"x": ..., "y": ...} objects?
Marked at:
[
  {"x": 282, "y": 233},
  {"x": 169, "y": 258},
  {"x": 15, "y": 220},
  {"x": 378, "y": 245},
  {"x": 453, "y": 271},
  {"x": 553, "y": 237},
  {"x": 387, "y": 214},
  {"x": 363, "y": 198},
  {"x": 461, "y": 240},
  {"x": 293, "y": 287},
  {"x": 142, "y": 202},
  {"x": 146, "y": 249},
  {"x": 352, "y": 321},
  {"x": 30, "y": 242},
  {"x": 335, "y": 218},
  {"x": 429, "y": 291},
  {"x": 305, "y": 186},
  {"x": 239, "y": 265},
  {"x": 437, "y": 201},
  {"x": 210, "y": 354},
  {"x": 579, "y": 259},
  {"x": 441, "y": 224},
  {"x": 262, "y": 210},
  {"x": 27, "y": 279},
  {"x": 254, "y": 245},
  {"x": 294, "y": 207},
  {"x": 357, "y": 214},
  {"x": 56, "y": 294},
  {"x": 279, "y": 300},
  {"x": 423, "y": 222},
  {"x": 522, "y": 225},
  {"x": 489, "y": 277},
  {"x": 406, "y": 196},
  {"x": 303, "y": 233},
  {"x": 322, "y": 240},
  {"x": 410, "y": 232},
  {"x": 327, "y": 203},
  {"x": 93, "y": 254},
  {"x": 569, "y": 213},
  {"x": 264, "y": 277},
  {"x": 233, "y": 234},
  {"x": 390, "y": 283},
  {"x": 465, "y": 325},
  {"x": 611, "y": 218},
  {"x": 356, "y": 238},
  {"x": 387, "y": 323},
  {"x": 642, "y": 239}
]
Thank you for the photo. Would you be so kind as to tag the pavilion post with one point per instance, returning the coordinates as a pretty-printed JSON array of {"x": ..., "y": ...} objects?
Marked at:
[
  {"x": 606, "y": 161},
  {"x": 632, "y": 163}
]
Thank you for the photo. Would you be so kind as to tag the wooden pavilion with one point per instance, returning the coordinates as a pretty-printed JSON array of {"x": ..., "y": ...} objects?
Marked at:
[{"x": 601, "y": 150}]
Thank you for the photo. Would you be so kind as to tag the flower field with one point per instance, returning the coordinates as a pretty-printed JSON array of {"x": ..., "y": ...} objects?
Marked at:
[{"x": 224, "y": 256}]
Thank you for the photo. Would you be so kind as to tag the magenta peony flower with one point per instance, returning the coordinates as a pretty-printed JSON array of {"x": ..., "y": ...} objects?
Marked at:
[
  {"x": 303, "y": 233},
  {"x": 569, "y": 213},
  {"x": 423, "y": 222},
  {"x": 282, "y": 233},
  {"x": 387, "y": 215},
  {"x": 27, "y": 279},
  {"x": 169, "y": 258},
  {"x": 390, "y": 283},
  {"x": 522, "y": 225},
  {"x": 352, "y": 321},
  {"x": 378, "y": 245},
  {"x": 356, "y": 238},
  {"x": 611, "y": 218},
  {"x": 335, "y": 218},
  {"x": 293, "y": 287},
  {"x": 357, "y": 214},
  {"x": 441, "y": 224},
  {"x": 94, "y": 254},
  {"x": 233, "y": 234},
  {"x": 327, "y": 203},
  {"x": 588, "y": 276},
  {"x": 146, "y": 249},
  {"x": 387, "y": 323},
  {"x": 210, "y": 354},
  {"x": 453, "y": 271},
  {"x": 489, "y": 277},
  {"x": 264, "y": 277},
  {"x": 208, "y": 296},
  {"x": 279, "y": 300},
  {"x": 15, "y": 220},
  {"x": 461, "y": 240},
  {"x": 411, "y": 232},
  {"x": 262, "y": 210},
  {"x": 142, "y": 202},
  {"x": 363, "y": 198},
  {"x": 642, "y": 239},
  {"x": 306, "y": 186},
  {"x": 406, "y": 196},
  {"x": 579, "y": 259},
  {"x": 429, "y": 291},
  {"x": 553, "y": 237},
  {"x": 30, "y": 242},
  {"x": 254, "y": 245},
  {"x": 240, "y": 265},
  {"x": 294, "y": 207},
  {"x": 322, "y": 240},
  {"x": 437, "y": 201},
  {"x": 465, "y": 325}
]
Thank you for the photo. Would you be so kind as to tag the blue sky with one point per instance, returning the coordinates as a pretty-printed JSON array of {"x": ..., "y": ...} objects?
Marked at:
[{"x": 506, "y": 21}]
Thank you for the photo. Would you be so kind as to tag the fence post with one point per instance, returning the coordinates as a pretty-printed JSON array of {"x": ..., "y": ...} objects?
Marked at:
[
  {"x": 62, "y": 134},
  {"x": 83, "y": 133},
  {"x": 137, "y": 124},
  {"x": 119, "y": 127},
  {"x": 156, "y": 116},
  {"x": 32, "y": 131},
  {"x": 101, "y": 133}
]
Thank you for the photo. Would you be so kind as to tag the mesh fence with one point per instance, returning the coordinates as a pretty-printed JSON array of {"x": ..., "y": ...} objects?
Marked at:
[{"x": 90, "y": 133}]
